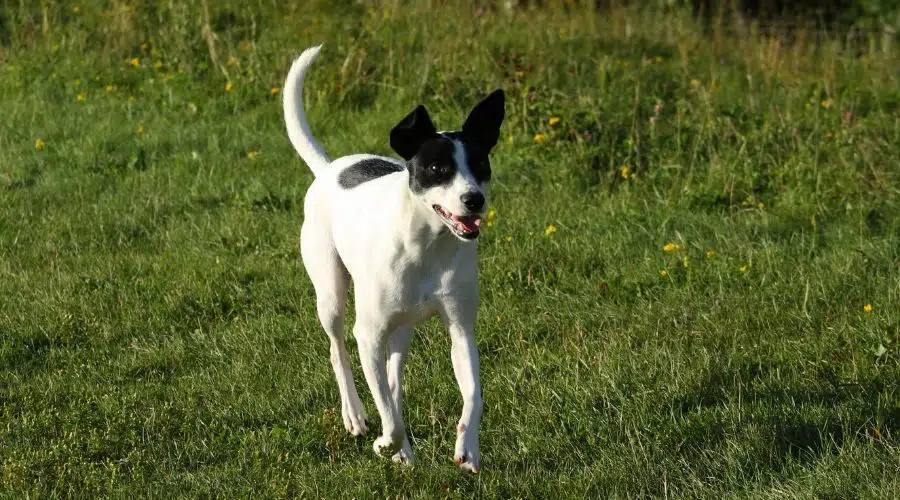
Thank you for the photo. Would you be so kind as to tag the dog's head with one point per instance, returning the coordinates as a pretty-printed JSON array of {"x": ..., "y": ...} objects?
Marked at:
[{"x": 450, "y": 171}]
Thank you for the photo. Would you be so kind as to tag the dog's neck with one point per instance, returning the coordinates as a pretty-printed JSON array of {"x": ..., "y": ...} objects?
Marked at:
[{"x": 423, "y": 227}]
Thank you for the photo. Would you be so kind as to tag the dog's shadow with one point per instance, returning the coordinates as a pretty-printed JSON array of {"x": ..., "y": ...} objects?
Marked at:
[{"x": 801, "y": 423}]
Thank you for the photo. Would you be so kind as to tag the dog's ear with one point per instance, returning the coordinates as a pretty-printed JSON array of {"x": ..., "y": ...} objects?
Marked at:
[
  {"x": 407, "y": 137},
  {"x": 483, "y": 123}
]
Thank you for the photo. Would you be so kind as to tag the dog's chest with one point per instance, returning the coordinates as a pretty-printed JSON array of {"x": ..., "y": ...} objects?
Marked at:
[
  {"x": 407, "y": 282},
  {"x": 413, "y": 290},
  {"x": 420, "y": 292}
]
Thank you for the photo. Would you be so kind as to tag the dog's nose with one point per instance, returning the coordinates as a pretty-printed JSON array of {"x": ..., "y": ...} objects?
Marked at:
[{"x": 474, "y": 201}]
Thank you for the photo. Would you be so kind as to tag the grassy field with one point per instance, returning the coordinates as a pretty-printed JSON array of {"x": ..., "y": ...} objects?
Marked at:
[{"x": 691, "y": 281}]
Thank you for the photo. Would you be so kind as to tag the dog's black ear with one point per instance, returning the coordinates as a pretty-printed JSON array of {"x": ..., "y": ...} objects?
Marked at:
[
  {"x": 407, "y": 137},
  {"x": 483, "y": 123}
]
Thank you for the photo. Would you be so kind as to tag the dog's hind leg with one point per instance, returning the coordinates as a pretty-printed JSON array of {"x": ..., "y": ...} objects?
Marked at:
[
  {"x": 331, "y": 280},
  {"x": 398, "y": 347}
]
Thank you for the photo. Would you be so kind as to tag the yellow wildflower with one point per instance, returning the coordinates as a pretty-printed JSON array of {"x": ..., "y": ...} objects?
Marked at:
[
  {"x": 110, "y": 88},
  {"x": 76, "y": 8},
  {"x": 745, "y": 268},
  {"x": 275, "y": 91},
  {"x": 132, "y": 98},
  {"x": 670, "y": 247},
  {"x": 135, "y": 62},
  {"x": 554, "y": 121},
  {"x": 663, "y": 273},
  {"x": 695, "y": 83},
  {"x": 228, "y": 87},
  {"x": 685, "y": 261},
  {"x": 828, "y": 103},
  {"x": 40, "y": 144},
  {"x": 868, "y": 308},
  {"x": 491, "y": 215},
  {"x": 252, "y": 154},
  {"x": 232, "y": 61},
  {"x": 626, "y": 172},
  {"x": 508, "y": 237},
  {"x": 81, "y": 97},
  {"x": 540, "y": 138},
  {"x": 158, "y": 64},
  {"x": 710, "y": 254},
  {"x": 550, "y": 230},
  {"x": 140, "y": 128}
]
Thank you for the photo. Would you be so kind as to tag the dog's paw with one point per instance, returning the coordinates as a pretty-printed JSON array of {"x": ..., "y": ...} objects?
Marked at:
[
  {"x": 384, "y": 446},
  {"x": 354, "y": 415},
  {"x": 467, "y": 456},
  {"x": 405, "y": 455}
]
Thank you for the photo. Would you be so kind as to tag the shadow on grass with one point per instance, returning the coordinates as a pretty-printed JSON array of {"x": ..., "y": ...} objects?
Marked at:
[
  {"x": 788, "y": 424},
  {"x": 27, "y": 352}
]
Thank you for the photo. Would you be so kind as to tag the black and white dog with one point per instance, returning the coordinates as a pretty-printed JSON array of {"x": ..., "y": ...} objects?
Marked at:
[{"x": 404, "y": 232}]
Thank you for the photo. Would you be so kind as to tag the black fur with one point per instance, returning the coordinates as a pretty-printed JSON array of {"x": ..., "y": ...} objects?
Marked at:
[
  {"x": 365, "y": 171},
  {"x": 478, "y": 160},
  {"x": 482, "y": 127},
  {"x": 433, "y": 165},
  {"x": 409, "y": 135},
  {"x": 429, "y": 155}
]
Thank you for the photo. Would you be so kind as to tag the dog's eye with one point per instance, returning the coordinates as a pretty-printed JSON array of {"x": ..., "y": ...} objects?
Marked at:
[{"x": 438, "y": 168}]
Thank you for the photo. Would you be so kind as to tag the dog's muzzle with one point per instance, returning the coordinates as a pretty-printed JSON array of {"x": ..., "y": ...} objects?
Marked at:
[{"x": 466, "y": 227}]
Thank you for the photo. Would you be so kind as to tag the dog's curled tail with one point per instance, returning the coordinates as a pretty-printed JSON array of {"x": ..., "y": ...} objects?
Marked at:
[{"x": 295, "y": 117}]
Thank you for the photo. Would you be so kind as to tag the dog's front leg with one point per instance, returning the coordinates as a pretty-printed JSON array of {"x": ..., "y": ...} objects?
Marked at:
[
  {"x": 373, "y": 341},
  {"x": 464, "y": 354},
  {"x": 398, "y": 347}
]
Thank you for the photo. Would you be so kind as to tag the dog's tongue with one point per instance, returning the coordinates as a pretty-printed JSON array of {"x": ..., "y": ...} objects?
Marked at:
[{"x": 468, "y": 223}]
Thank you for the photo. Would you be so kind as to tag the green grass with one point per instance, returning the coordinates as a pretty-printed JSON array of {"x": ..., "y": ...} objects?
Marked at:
[{"x": 157, "y": 329}]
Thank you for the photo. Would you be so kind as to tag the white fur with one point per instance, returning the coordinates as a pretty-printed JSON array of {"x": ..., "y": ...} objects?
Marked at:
[
  {"x": 295, "y": 117},
  {"x": 405, "y": 267}
]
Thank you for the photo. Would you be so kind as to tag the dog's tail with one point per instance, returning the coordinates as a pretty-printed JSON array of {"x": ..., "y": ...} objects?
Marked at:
[{"x": 295, "y": 117}]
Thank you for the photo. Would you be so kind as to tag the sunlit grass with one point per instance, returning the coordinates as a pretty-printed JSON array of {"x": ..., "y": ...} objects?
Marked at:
[{"x": 689, "y": 277}]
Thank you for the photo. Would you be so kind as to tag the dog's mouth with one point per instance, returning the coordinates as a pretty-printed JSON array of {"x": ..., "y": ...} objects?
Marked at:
[{"x": 466, "y": 227}]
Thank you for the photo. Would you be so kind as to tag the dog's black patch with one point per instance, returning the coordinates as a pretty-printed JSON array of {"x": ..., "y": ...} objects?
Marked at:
[
  {"x": 478, "y": 160},
  {"x": 365, "y": 171},
  {"x": 433, "y": 165},
  {"x": 429, "y": 154}
]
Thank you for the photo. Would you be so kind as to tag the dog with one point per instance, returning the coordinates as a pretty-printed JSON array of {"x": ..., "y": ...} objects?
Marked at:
[{"x": 405, "y": 232}]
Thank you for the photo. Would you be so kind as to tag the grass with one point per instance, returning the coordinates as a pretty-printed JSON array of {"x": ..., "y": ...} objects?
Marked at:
[{"x": 157, "y": 333}]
